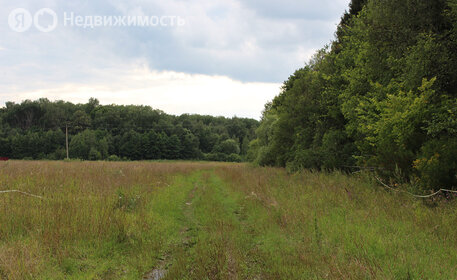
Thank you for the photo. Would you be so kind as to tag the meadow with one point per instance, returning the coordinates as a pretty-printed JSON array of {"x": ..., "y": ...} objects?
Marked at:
[{"x": 191, "y": 220}]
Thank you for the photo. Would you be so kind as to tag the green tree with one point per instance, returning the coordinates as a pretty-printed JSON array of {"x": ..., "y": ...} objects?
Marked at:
[
  {"x": 229, "y": 146},
  {"x": 86, "y": 145}
]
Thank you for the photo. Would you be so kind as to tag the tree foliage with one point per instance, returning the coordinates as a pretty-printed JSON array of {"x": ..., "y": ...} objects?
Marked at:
[
  {"x": 36, "y": 130},
  {"x": 383, "y": 95}
]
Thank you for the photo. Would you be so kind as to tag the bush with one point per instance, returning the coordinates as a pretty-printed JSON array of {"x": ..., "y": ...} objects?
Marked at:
[
  {"x": 437, "y": 165},
  {"x": 216, "y": 157},
  {"x": 228, "y": 147},
  {"x": 113, "y": 158},
  {"x": 223, "y": 157},
  {"x": 337, "y": 150},
  {"x": 59, "y": 154},
  {"x": 234, "y": 158},
  {"x": 94, "y": 154},
  {"x": 308, "y": 159},
  {"x": 265, "y": 156}
]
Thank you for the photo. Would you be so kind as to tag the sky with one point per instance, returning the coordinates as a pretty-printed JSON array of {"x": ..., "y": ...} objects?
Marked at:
[{"x": 213, "y": 57}]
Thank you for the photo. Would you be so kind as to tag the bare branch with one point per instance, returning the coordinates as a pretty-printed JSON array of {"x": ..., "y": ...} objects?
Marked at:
[
  {"x": 415, "y": 195},
  {"x": 21, "y": 192}
]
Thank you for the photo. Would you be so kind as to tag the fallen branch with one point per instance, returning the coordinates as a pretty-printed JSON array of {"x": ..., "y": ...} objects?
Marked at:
[
  {"x": 21, "y": 192},
  {"x": 415, "y": 195}
]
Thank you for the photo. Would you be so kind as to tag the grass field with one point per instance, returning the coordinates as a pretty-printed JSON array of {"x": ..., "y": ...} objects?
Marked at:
[{"x": 100, "y": 220}]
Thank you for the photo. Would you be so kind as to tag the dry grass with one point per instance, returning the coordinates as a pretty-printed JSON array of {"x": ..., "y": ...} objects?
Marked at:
[{"x": 85, "y": 204}]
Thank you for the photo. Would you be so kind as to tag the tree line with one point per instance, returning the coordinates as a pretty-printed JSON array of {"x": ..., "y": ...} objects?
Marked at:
[
  {"x": 36, "y": 130},
  {"x": 382, "y": 95}
]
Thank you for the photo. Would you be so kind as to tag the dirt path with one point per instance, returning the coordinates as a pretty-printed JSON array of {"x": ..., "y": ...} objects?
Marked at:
[
  {"x": 187, "y": 240},
  {"x": 213, "y": 239}
]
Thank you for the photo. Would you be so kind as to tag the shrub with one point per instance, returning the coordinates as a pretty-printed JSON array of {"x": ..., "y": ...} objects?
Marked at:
[
  {"x": 94, "y": 154},
  {"x": 234, "y": 158},
  {"x": 113, "y": 158},
  {"x": 228, "y": 147},
  {"x": 437, "y": 165},
  {"x": 216, "y": 157}
]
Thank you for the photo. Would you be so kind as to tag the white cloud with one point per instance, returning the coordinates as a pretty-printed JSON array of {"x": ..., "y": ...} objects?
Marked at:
[{"x": 172, "y": 92}]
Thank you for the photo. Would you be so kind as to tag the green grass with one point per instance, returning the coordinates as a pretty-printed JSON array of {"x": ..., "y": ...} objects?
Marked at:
[{"x": 216, "y": 221}]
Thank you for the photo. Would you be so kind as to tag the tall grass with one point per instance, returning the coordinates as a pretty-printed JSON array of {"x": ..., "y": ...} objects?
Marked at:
[
  {"x": 116, "y": 220},
  {"x": 334, "y": 226},
  {"x": 89, "y": 211}
]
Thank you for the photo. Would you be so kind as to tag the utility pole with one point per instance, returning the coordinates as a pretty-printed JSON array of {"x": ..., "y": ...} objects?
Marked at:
[{"x": 66, "y": 139}]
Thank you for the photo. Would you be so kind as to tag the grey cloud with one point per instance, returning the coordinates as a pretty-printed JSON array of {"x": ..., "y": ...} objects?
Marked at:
[
  {"x": 303, "y": 9},
  {"x": 250, "y": 40}
]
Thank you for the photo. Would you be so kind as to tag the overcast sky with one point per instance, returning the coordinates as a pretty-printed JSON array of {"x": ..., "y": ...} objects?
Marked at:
[{"x": 229, "y": 58}]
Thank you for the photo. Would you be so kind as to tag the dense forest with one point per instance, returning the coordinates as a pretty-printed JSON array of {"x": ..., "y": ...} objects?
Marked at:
[
  {"x": 36, "y": 130},
  {"x": 381, "y": 96}
]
